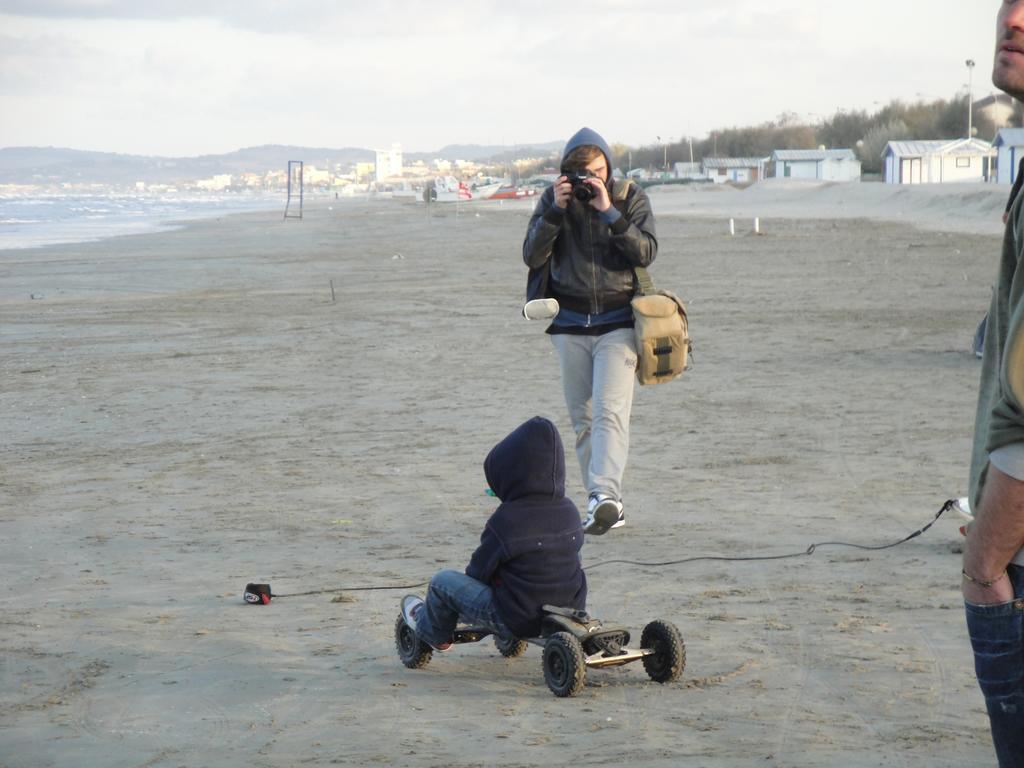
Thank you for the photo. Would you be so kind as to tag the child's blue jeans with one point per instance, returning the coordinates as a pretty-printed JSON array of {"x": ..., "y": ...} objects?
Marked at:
[
  {"x": 997, "y": 636},
  {"x": 453, "y": 595}
]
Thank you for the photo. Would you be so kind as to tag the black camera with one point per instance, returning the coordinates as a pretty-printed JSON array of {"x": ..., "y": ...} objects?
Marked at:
[{"x": 580, "y": 189}]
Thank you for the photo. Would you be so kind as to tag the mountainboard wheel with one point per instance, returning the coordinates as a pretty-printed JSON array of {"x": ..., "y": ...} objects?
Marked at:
[
  {"x": 510, "y": 647},
  {"x": 564, "y": 664},
  {"x": 414, "y": 653},
  {"x": 667, "y": 662}
]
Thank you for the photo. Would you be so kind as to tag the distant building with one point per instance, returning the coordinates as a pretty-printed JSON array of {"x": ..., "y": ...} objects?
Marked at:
[
  {"x": 741, "y": 170},
  {"x": 1009, "y": 145},
  {"x": 417, "y": 169},
  {"x": 996, "y": 109},
  {"x": 389, "y": 162},
  {"x": 251, "y": 180},
  {"x": 684, "y": 170},
  {"x": 820, "y": 164},
  {"x": 275, "y": 180},
  {"x": 217, "y": 183},
  {"x": 364, "y": 170},
  {"x": 315, "y": 177},
  {"x": 942, "y": 161}
]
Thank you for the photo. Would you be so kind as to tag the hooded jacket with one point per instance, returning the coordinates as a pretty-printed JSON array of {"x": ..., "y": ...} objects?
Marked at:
[
  {"x": 591, "y": 261},
  {"x": 529, "y": 551}
]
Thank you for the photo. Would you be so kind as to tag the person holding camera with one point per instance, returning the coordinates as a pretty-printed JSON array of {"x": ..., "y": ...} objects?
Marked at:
[{"x": 587, "y": 247}]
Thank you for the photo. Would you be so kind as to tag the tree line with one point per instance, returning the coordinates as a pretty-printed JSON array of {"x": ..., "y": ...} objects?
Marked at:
[{"x": 866, "y": 133}]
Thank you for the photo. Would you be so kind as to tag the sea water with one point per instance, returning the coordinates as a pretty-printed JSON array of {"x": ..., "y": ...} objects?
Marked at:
[{"x": 31, "y": 221}]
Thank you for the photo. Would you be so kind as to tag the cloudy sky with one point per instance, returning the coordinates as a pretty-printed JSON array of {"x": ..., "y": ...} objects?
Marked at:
[{"x": 192, "y": 77}]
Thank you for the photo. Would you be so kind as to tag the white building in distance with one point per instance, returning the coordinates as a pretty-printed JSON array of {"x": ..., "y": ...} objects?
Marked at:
[
  {"x": 389, "y": 162},
  {"x": 741, "y": 170},
  {"x": 819, "y": 164},
  {"x": 217, "y": 183},
  {"x": 1009, "y": 144},
  {"x": 998, "y": 109},
  {"x": 939, "y": 161}
]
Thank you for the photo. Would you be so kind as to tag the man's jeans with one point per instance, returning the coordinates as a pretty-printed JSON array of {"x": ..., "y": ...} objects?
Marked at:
[
  {"x": 453, "y": 595},
  {"x": 997, "y": 636},
  {"x": 598, "y": 374}
]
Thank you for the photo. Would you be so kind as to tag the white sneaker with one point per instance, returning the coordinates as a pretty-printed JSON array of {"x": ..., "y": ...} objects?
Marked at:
[
  {"x": 411, "y": 606},
  {"x": 603, "y": 514}
]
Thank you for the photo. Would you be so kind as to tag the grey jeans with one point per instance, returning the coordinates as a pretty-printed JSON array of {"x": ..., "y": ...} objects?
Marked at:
[{"x": 598, "y": 373}]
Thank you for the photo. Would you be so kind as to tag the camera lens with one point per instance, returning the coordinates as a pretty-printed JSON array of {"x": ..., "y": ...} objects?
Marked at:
[{"x": 582, "y": 192}]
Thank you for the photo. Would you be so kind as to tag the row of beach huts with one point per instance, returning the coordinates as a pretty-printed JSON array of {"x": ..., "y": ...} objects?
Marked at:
[{"x": 904, "y": 162}]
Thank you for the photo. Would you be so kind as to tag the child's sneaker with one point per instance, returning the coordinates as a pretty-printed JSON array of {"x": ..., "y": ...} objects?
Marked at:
[
  {"x": 411, "y": 607},
  {"x": 603, "y": 514}
]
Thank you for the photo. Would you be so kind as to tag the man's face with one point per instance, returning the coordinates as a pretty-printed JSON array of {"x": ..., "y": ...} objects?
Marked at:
[
  {"x": 1008, "y": 71},
  {"x": 598, "y": 167}
]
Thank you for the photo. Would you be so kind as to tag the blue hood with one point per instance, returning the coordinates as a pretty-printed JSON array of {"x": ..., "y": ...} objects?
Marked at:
[
  {"x": 529, "y": 462},
  {"x": 585, "y": 137}
]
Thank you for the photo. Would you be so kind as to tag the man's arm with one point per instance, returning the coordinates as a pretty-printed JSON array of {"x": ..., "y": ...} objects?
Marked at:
[
  {"x": 994, "y": 537},
  {"x": 545, "y": 224},
  {"x": 1011, "y": 375},
  {"x": 997, "y": 532},
  {"x": 633, "y": 235}
]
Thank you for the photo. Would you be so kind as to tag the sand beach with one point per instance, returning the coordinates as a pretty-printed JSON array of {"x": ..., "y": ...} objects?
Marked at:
[{"x": 308, "y": 403}]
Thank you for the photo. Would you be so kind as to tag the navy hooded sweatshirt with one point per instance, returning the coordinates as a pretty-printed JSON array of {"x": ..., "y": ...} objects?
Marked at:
[{"x": 529, "y": 551}]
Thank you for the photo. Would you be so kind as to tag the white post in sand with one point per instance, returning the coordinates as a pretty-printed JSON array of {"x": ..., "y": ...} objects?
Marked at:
[
  {"x": 732, "y": 227},
  {"x": 757, "y": 225}
]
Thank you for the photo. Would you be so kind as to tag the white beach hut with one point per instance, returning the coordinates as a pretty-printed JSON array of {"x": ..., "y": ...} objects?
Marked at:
[
  {"x": 820, "y": 164},
  {"x": 737, "y": 169},
  {"x": 682, "y": 170},
  {"x": 941, "y": 161},
  {"x": 1009, "y": 145}
]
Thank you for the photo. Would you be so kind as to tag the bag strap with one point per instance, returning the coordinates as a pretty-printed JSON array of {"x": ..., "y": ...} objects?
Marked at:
[
  {"x": 620, "y": 190},
  {"x": 643, "y": 280},
  {"x": 619, "y": 194}
]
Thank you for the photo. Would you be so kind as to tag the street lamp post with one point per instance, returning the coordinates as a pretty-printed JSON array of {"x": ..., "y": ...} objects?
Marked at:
[
  {"x": 970, "y": 97},
  {"x": 664, "y": 155}
]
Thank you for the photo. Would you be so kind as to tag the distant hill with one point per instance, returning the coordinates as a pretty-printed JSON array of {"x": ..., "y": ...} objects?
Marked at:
[
  {"x": 50, "y": 165},
  {"x": 53, "y": 165},
  {"x": 479, "y": 152}
]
